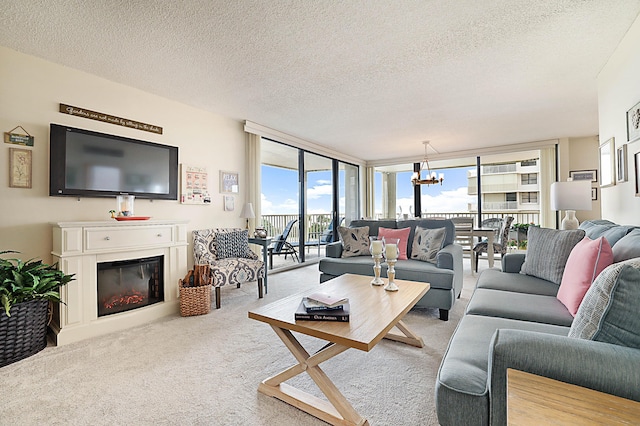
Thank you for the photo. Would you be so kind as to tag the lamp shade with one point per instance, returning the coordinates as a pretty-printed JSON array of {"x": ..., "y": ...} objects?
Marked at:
[
  {"x": 247, "y": 211},
  {"x": 574, "y": 195}
]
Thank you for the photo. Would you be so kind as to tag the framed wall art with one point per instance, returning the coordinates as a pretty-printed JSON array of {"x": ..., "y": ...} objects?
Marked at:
[
  {"x": 194, "y": 185},
  {"x": 229, "y": 203},
  {"x": 636, "y": 162},
  {"x": 594, "y": 194},
  {"x": 20, "y": 164},
  {"x": 621, "y": 157},
  {"x": 633, "y": 123},
  {"x": 229, "y": 182},
  {"x": 590, "y": 175},
  {"x": 607, "y": 163}
]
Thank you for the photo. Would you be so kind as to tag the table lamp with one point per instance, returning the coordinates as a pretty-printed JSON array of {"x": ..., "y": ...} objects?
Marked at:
[
  {"x": 247, "y": 213},
  {"x": 571, "y": 196}
]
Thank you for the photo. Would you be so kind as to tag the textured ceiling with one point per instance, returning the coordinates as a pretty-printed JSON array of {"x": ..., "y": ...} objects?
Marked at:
[{"x": 371, "y": 79}]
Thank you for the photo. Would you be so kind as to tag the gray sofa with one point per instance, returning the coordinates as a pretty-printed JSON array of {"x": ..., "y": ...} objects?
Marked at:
[
  {"x": 445, "y": 276},
  {"x": 514, "y": 320}
]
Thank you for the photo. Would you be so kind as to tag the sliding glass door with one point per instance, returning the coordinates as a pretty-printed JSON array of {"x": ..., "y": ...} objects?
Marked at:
[{"x": 314, "y": 192}]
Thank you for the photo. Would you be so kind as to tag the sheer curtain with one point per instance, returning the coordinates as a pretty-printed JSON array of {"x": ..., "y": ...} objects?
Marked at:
[
  {"x": 547, "y": 177},
  {"x": 254, "y": 179},
  {"x": 370, "y": 199}
]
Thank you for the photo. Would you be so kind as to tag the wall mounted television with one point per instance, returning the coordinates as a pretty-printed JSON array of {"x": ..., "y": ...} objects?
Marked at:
[{"x": 83, "y": 163}]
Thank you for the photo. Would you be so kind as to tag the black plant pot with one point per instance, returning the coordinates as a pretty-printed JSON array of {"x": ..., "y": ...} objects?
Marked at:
[{"x": 24, "y": 333}]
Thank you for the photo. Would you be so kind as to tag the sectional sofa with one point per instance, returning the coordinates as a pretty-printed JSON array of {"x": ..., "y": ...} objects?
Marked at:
[
  {"x": 444, "y": 276},
  {"x": 514, "y": 319}
]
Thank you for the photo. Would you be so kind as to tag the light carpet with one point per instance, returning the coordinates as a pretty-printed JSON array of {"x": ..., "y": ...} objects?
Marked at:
[{"x": 205, "y": 370}]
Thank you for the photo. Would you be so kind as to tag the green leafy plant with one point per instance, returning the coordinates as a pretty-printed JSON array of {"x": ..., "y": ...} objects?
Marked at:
[
  {"x": 522, "y": 227},
  {"x": 22, "y": 281}
]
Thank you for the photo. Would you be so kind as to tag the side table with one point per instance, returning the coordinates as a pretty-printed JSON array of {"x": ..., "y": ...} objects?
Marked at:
[
  {"x": 535, "y": 400},
  {"x": 264, "y": 242}
]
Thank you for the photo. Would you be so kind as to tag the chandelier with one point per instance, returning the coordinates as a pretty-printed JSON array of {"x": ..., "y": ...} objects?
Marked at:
[{"x": 431, "y": 178}]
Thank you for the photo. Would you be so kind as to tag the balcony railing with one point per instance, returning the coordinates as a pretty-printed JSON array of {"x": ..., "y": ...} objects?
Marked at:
[
  {"x": 318, "y": 223},
  {"x": 274, "y": 224}
]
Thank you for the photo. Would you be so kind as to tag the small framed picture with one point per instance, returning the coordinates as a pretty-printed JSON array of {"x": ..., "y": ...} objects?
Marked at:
[
  {"x": 229, "y": 203},
  {"x": 594, "y": 194},
  {"x": 229, "y": 182},
  {"x": 621, "y": 157},
  {"x": 636, "y": 162},
  {"x": 20, "y": 168},
  {"x": 607, "y": 163},
  {"x": 633, "y": 123},
  {"x": 590, "y": 175}
]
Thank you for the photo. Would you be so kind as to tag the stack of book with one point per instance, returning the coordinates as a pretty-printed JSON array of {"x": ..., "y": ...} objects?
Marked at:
[{"x": 323, "y": 307}]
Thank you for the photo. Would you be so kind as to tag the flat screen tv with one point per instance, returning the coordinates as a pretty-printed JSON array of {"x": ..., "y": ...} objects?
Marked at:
[{"x": 83, "y": 163}]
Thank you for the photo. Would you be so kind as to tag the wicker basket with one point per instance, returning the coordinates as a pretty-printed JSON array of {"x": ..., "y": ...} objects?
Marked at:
[
  {"x": 195, "y": 292},
  {"x": 24, "y": 333}
]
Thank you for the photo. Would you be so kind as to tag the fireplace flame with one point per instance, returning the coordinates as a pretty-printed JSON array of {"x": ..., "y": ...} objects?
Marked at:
[{"x": 132, "y": 297}]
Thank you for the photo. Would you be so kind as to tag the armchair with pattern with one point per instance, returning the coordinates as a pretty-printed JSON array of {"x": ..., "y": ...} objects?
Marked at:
[{"x": 227, "y": 251}]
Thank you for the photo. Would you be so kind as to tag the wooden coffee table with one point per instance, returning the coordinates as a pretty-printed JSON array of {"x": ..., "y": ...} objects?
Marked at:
[{"x": 374, "y": 312}]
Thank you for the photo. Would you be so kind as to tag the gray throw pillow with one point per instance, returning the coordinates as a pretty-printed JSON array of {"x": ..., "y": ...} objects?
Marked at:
[
  {"x": 612, "y": 233},
  {"x": 609, "y": 311},
  {"x": 427, "y": 243},
  {"x": 627, "y": 247},
  {"x": 355, "y": 241},
  {"x": 548, "y": 251},
  {"x": 233, "y": 244}
]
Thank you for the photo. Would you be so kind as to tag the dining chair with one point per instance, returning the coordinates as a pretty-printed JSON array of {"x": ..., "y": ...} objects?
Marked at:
[{"x": 500, "y": 240}]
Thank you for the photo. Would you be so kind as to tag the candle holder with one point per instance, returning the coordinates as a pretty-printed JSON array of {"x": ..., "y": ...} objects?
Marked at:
[
  {"x": 391, "y": 273},
  {"x": 391, "y": 253},
  {"x": 377, "y": 247}
]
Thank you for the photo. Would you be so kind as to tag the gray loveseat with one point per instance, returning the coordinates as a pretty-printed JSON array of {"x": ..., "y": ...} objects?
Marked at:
[
  {"x": 515, "y": 321},
  {"x": 445, "y": 276}
]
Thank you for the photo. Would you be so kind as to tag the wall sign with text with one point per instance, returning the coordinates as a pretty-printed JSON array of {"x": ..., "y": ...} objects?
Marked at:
[{"x": 106, "y": 118}]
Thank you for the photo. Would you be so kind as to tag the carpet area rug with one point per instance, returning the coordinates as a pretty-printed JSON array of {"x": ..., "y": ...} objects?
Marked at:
[{"x": 205, "y": 370}]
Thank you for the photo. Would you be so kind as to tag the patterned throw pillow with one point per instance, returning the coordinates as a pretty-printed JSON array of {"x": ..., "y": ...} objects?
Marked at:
[
  {"x": 427, "y": 243},
  {"x": 233, "y": 244},
  {"x": 355, "y": 241},
  {"x": 609, "y": 310},
  {"x": 548, "y": 251}
]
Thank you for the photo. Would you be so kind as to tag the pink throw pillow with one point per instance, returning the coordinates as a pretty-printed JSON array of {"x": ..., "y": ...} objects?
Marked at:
[
  {"x": 401, "y": 234},
  {"x": 587, "y": 259}
]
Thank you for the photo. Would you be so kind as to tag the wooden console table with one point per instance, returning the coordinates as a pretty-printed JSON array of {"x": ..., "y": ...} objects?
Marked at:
[{"x": 536, "y": 400}]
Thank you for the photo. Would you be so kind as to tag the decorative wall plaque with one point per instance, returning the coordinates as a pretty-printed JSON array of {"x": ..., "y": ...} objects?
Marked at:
[
  {"x": 18, "y": 138},
  {"x": 19, "y": 168},
  {"x": 100, "y": 116}
]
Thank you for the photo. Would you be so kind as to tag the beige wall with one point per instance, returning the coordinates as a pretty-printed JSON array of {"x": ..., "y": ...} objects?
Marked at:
[
  {"x": 30, "y": 92},
  {"x": 583, "y": 155},
  {"x": 618, "y": 91}
]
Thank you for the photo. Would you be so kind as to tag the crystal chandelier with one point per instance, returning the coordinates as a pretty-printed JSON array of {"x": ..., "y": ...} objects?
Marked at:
[{"x": 431, "y": 178}]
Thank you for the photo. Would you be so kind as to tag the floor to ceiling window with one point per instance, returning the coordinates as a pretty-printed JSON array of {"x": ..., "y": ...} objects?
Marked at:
[
  {"x": 318, "y": 201},
  {"x": 348, "y": 193},
  {"x": 330, "y": 194},
  {"x": 511, "y": 184}
]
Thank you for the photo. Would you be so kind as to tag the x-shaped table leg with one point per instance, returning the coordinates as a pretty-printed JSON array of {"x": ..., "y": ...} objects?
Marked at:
[{"x": 337, "y": 411}]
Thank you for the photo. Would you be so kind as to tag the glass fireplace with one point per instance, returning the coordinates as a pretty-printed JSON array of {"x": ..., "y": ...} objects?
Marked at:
[{"x": 130, "y": 284}]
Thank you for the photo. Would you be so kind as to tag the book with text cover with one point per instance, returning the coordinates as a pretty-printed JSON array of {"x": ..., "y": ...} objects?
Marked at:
[
  {"x": 312, "y": 305},
  {"x": 339, "y": 315},
  {"x": 328, "y": 299}
]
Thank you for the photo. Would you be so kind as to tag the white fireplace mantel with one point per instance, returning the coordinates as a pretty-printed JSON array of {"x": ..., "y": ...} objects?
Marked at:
[{"x": 78, "y": 247}]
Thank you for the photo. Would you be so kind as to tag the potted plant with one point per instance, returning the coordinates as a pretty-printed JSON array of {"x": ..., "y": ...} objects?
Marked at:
[{"x": 26, "y": 289}]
